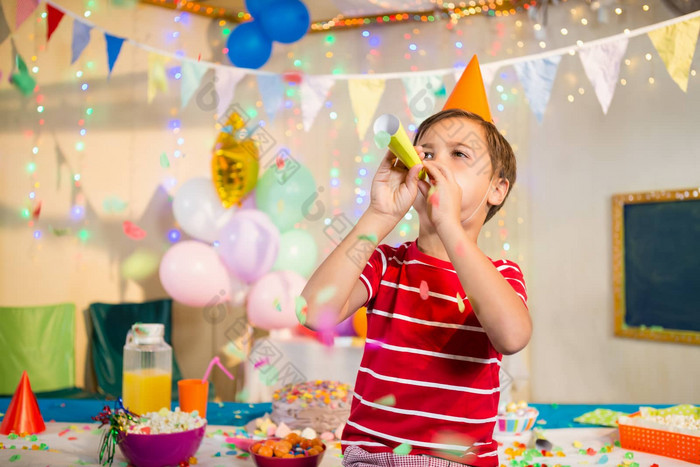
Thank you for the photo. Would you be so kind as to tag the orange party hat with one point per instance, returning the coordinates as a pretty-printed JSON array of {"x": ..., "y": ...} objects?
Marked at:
[
  {"x": 469, "y": 94},
  {"x": 23, "y": 415}
]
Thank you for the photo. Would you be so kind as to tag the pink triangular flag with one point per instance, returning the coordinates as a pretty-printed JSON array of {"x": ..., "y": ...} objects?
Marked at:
[{"x": 24, "y": 9}]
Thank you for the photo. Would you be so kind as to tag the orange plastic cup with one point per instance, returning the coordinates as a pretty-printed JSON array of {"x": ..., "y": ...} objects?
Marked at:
[{"x": 192, "y": 394}]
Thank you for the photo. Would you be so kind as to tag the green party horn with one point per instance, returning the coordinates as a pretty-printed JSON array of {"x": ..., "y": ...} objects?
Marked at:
[{"x": 388, "y": 127}]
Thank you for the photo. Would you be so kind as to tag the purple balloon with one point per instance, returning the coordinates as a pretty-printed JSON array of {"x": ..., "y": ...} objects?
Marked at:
[{"x": 248, "y": 245}]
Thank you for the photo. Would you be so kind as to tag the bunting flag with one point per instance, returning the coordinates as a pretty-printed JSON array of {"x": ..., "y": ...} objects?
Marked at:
[
  {"x": 4, "y": 27},
  {"x": 53, "y": 17},
  {"x": 488, "y": 73},
  {"x": 365, "y": 95},
  {"x": 602, "y": 66},
  {"x": 225, "y": 83},
  {"x": 272, "y": 92},
  {"x": 537, "y": 78},
  {"x": 676, "y": 46},
  {"x": 421, "y": 95},
  {"x": 24, "y": 9},
  {"x": 114, "y": 46},
  {"x": 192, "y": 73},
  {"x": 157, "y": 77},
  {"x": 81, "y": 38},
  {"x": 314, "y": 91},
  {"x": 20, "y": 77}
]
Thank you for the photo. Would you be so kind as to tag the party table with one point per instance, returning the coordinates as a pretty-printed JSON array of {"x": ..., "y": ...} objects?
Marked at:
[{"x": 71, "y": 439}]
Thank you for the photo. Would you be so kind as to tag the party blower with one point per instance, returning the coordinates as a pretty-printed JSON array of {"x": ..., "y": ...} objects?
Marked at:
[{"x": 388, "y": 132}]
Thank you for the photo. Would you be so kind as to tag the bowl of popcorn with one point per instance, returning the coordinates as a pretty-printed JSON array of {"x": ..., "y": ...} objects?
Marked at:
[
  {"x": 516, "y": 418},
  {"x": 162, "y": 438},
  {"x": 291, "y": 451}
]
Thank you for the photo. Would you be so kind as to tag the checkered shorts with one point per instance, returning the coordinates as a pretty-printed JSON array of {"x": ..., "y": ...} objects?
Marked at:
[{"x": 355, "y": 456}]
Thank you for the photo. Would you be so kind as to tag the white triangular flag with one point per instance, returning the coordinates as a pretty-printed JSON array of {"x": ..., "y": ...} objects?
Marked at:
[
  {"x": 192, "y": 73},
  {"x": 225, "y": 82},
  {"x": 421, "y": 95},
  {"x": 314, "y": 91},
  {"x": 602, "y": 66},
  {"x": 537, "y": 78}
]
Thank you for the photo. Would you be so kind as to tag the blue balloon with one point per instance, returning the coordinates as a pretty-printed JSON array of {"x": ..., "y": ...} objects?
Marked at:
[
  {"x": 288, "y": 22},
  {"x": 248, "y": 47},
  {"x": 257, "y": 7}
]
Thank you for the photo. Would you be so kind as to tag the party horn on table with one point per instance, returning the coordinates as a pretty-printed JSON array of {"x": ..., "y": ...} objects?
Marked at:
[{"x": 388, "y": 127}]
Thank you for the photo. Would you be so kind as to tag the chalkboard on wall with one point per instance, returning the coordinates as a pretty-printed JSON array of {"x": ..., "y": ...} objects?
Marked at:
[{"x": 656, "y": 265}]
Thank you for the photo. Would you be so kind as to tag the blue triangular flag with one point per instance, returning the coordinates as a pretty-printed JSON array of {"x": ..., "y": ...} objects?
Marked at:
[
  {"x": 114, "y": 46},
  {"x": 271, "y": 89},
  {"x": 81, "y": 37},
  {"x": 537, "y": 78}
]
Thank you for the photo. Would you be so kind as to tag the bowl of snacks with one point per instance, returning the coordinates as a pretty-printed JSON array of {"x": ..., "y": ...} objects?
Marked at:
[
  {"x": 516, "y": 418},
  {"x": 290, "y": 451},
  {"x": 162, "y": 438}
]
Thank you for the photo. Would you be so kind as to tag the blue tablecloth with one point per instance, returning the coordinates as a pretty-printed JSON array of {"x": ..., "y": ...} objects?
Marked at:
[{"x": 237, "y": 414}]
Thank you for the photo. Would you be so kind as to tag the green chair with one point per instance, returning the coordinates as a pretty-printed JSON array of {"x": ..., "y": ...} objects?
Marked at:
[
  {"x": 40, "y": 340},
  {"x": 110, "y": 324}
]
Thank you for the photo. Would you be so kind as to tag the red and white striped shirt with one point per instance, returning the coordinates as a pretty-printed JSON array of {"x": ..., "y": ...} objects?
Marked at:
[{"x": 429, "y": 374}]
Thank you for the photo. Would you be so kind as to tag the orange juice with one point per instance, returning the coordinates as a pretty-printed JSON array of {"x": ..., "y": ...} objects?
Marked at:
[{"x": 146, "y": 390}]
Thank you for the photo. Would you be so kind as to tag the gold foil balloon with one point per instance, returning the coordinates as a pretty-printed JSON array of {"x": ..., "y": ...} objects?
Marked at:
[{"x": 235, "y": 162}]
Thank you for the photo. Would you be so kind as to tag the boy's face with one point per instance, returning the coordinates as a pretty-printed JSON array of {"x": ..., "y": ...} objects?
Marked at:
[{"x": 460, "y": 145}]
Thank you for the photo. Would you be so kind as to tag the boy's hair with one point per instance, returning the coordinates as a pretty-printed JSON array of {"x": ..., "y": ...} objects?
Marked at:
[{"x": 500, "y": 152}]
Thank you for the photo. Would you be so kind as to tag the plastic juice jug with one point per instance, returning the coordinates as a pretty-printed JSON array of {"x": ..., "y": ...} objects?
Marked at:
[{"x": 146, "y": 383}]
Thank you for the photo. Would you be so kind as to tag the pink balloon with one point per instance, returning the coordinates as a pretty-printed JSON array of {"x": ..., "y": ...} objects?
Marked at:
[
  {"x": 272, "y": 300},
  {"x": 248, "y": 202},
  {"x": 192, "y": 273},
  {"x": 248, "y": 245}
]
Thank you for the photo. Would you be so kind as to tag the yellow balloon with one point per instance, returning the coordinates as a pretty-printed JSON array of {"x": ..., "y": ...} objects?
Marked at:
[
  {"x": 359, "y": 322},
  {"x": 235, "y": 163}
]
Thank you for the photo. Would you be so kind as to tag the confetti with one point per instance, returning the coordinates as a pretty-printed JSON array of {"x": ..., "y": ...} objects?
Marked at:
[
  {"x": 382, "y": 139},
  {"x": 433, "y": 197},
  {"x": 629, "y": 455},
  {"x": 164, "y": 162},
  {"x": 460, "y": 249},
  {"x": 263, "y": 361},
  {"x": 325, "y": 294},
  {"x": 279, "y": 162},
  {"x": 37, "y": 211},
  {"x": 276, "y": 304},
  {"x": 133, "y": 231},
  {"x": 113, "y": 204},
  {"x": 424, "y": 292},
  {"x": 370, "y": 238},
  {"x": 388, "y": 400},
  {"x": 577, "y": 444},
  {"x": 603, "y": 459},
  {"x": 15, "y": 458},
  {"x": 199, "y": 57},
  {"x": 591, "y": 452},
  {"x": 301, "y": 309},
  {"x": 460, "y": 303},
  {"x": 402, "y": 449}
]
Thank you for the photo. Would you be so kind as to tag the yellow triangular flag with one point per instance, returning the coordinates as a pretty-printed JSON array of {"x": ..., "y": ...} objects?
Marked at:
[
  {"x": 676, "y": 46},
  {"x": 157, "y": 79},
  {"x": 365, "y": 95}
]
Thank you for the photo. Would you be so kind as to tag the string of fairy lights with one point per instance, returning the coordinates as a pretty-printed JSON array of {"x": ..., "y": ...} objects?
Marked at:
[{"x": 507, "y": 93}]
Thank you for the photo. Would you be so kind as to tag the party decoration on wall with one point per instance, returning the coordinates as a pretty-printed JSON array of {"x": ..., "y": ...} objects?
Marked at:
[
  {"x": 225, "y": 82},
  {"x": 248, "y": 46},
  {"x": 365, "y": 95},
  {"x": 157, "y": 78},
  {"x": 192, "y": 73},
  {"x": 198, "y": 210},
  {"x": 192, "y": 273},
  {"x": 133, "y": 231},
  {"x": 140, "y": 265},
  {"x": 676, "y": 46},
  {"x": 537, "y": 78},
  {"x": 297, "y": 252},
  {"x": 271, "y": 301},
  {"x": 602, "y": 66},
  {"x": 314, "y": 91},
  {"x": 286, "y": 194},
  {"x": 248, "y": 245},
  {"x": 421, "y": 93},
  {"x": 54, "y": 16},
  {"x": 4, "y": 27},
  {"x": 235, "y": 163},
  {"x": 272, "y": 92},
  {"x": 114, "y": 46},
  {"x": 24, "y": 9},
  {"x": 469, "y": 93},
  {"x": 23, "y": 415},
  {"x": 21, "y": 78},
  {"x": 287, "y": 23},
  {"x": 80, "y": 39}
]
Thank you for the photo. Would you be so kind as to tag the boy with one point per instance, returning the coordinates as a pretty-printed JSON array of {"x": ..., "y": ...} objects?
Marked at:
[{"x": 440, "y": 314}]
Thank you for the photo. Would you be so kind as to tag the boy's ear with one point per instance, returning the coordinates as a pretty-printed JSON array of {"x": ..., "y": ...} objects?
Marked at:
[{"x": 498, "y": 191}]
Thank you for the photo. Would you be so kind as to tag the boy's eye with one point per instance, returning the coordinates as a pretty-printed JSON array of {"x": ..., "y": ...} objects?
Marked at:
[
  {"x": 460, "y": 154},
  {"x": 428, "y": 155}
]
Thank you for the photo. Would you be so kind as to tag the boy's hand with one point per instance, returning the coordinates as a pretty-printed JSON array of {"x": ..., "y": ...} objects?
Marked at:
[
  {"x": 394, "y": 189},
  {"x": 443, "y": 195}
]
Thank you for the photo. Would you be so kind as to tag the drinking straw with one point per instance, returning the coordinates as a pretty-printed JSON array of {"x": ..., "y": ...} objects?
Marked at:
[{"x": 216, "y": 361}]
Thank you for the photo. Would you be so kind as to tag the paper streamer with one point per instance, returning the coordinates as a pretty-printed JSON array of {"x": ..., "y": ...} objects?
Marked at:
[
  {"x": 365, "y": 95},
  {"x": 676, "y": 47},
  {"x": 314, "y": 91},
  {"x": 537, "y": 78},
  {"x": 81, "y": 38},
  {"x": 602, "y": 66}
]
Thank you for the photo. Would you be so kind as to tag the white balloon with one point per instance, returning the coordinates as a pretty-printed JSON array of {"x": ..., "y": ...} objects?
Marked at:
[{"x": 198, "y": 210}]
